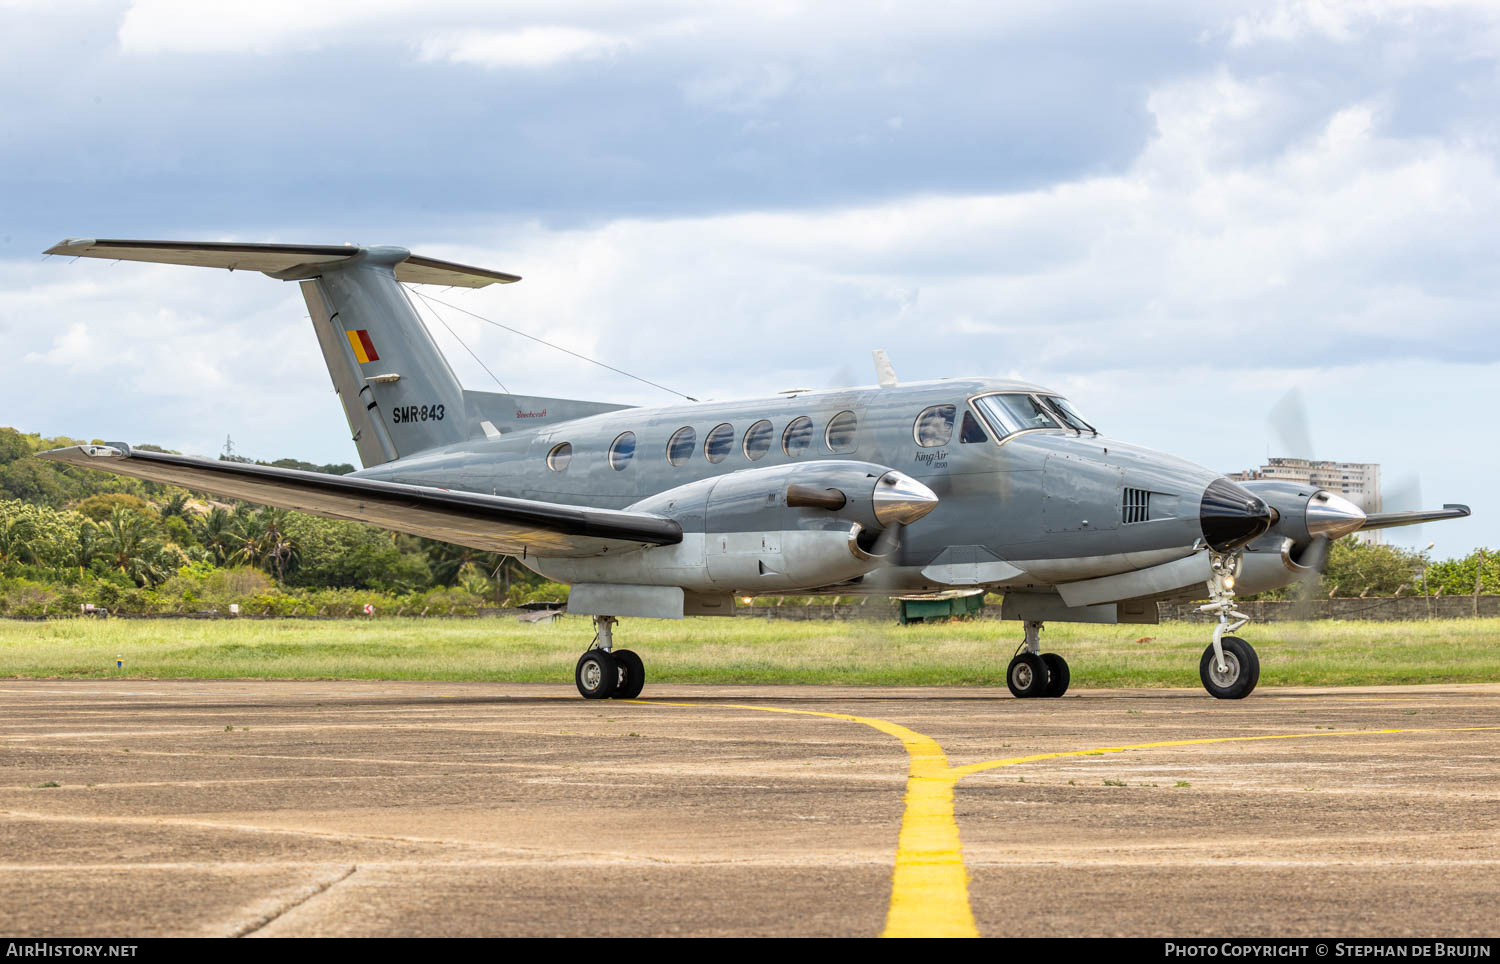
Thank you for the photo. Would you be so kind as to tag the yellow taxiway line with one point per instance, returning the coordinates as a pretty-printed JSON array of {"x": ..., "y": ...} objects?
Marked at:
[{"x": 929, "y": 884}]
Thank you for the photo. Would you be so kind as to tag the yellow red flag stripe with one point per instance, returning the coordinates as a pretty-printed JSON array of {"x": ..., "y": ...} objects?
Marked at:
[{"x": 364, "y": 348}]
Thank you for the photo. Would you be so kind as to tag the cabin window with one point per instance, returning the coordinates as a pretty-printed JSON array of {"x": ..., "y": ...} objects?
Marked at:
[
  {"x": 758, "y": 440},
  {"x": 680, "y": 446},
  {"x": 560, "y": 456},
  {"x": 971, "y": 432},
  {"x": 798, "y": 435},
  {"x": 621, "y": 451},
  {"x": 719, "y": 441},
  {"x": 934, "y": 426},
  {"x": 839, "y": 435}
]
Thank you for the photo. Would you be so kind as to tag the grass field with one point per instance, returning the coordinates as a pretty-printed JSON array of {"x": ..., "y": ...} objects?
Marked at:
[{"x": 737, "y": 651}]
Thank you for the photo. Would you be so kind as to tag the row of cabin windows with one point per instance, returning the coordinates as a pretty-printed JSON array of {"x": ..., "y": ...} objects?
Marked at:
[
  {"x": 933, "y": 427},
  {"x": 796, "y": 439}
]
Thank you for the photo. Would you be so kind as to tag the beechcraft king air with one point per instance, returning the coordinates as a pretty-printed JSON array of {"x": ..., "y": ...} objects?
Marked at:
[{"x": 895, "y": 489}]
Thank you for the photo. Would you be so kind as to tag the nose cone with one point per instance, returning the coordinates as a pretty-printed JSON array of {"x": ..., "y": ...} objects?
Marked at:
[
  {"x": 1231, "y": 516},
  {"x": 901, "y": 499},
  {"x": 1332, "y": 516}
]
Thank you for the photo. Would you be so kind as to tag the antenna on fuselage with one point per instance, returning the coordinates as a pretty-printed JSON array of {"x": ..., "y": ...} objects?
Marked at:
[{"x": 884, "y": 373}]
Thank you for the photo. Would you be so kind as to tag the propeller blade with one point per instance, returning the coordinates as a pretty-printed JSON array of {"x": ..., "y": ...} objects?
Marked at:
[
  {"x": 1403, "y": 495},
  {"x": 1309, "y": 583},
  {"x": 1289, "y": 423},
  {"x": 887, "y": 541}
]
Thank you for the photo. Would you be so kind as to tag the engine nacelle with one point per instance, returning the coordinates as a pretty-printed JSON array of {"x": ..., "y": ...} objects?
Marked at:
[
  {"x": 1306, "y": 512},
  {"x": 782, "y": 528}
]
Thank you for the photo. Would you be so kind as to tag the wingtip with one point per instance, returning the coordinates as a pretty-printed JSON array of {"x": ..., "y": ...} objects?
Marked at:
[
  {"x": 69, "y": 245},
  {"x": 68, "y": 453}
]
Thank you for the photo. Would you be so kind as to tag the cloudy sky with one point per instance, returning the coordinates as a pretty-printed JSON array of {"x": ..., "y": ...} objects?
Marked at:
[{"x": 1174, "y": 211}]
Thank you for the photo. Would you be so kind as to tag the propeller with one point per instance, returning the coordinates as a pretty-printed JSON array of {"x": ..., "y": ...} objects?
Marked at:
[
  {"x": 1288, "y": 420},
  {"x": 1404, "y": 496},
  {"x": 1289, "y": 423}
]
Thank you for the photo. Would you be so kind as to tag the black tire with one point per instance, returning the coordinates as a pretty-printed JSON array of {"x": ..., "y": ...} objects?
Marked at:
[
  {"x": 1243, "y": 670},
  {"x": 1027, "y": 676},
  {"x": 1057, "y": 675},
  {"x": 597, "y": 675},
  {"x": 632, "y": 675}
]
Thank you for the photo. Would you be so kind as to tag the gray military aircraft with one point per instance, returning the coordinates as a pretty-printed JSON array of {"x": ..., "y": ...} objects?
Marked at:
[{"x": 895, "y": 489}]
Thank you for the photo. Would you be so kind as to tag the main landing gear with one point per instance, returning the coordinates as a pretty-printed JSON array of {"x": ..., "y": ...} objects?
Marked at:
[
  {"x": 1229, "y": 668},
  {"x": 604, "y": 672},
  {"x": 1033, "y": 672}
]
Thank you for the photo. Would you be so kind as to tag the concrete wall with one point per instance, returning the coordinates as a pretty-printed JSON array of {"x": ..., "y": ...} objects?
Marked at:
[{"x": 1386, "y": 608}]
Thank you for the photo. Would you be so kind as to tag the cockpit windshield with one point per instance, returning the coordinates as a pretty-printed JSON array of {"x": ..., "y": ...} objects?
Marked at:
[
  {"x": 1069, "y": 414},
  {"x": 1015, "y": 413}
]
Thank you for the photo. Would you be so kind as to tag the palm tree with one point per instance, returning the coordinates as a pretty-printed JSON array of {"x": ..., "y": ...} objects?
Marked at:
[
  {"x": 85, "y": 547},
  {"x": 280, "y": 552},
  {"x": 17, "y": 542},
  {"x": 128, "y": 547},
  {"x": 248, "y": 537},
  {"x": 176, "y": 505},
  {"x": 217, "y": 535},
  {"x": 448, "y": 560}
]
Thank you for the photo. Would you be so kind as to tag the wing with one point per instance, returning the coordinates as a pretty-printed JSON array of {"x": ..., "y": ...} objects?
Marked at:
[{"x": 520, "y": 527}]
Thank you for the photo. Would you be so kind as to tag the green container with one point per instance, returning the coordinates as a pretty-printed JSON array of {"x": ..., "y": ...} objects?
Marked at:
[{"x": 942, "y": 608}]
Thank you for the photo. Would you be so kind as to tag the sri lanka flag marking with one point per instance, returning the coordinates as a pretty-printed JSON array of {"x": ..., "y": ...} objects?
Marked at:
[{"x": 364, "y": 348}]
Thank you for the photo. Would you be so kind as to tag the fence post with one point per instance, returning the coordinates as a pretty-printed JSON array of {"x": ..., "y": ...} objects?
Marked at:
[{"x": 1478, "y": 576}]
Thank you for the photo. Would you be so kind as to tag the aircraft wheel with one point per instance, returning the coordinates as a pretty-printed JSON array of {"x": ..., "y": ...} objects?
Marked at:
[
  {"x": 597, "y": 675},
  {"x": 1241, "y": 670},
  {"x": 632, "y": 675},
  {"x": 1027, "y": 676},
  {"x": 1057, "y": 674}
]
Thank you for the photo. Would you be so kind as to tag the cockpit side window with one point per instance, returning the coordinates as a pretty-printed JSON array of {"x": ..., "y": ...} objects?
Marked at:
[
  {"x": 1064, "y": 410},
  {"x": 971, "y": 432},
  {"x": 934, "y": 426}
]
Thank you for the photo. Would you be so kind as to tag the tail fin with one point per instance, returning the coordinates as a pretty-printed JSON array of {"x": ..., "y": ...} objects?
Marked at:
[{"x": 398, "y": 393}]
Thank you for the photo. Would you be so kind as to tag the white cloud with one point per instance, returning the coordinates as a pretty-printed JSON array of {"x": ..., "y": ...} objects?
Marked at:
[{"x": 529, "y": 47}]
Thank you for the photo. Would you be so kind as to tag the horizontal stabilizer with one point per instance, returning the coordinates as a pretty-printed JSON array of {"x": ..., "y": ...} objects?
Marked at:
[
  {"x": 277, "y": 260},
  {"x": 1389, "y": 520},
  {"x": 521, "y": 527}
]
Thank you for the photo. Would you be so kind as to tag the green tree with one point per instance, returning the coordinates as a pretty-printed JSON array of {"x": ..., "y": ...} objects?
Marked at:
[
  {"x": 128, "y": 547},
  {"x": 175, "y": 505},
  {"x": 1359, "y": 569},
  {"x": 1455, "y": 577},
  {"x": 217, "y": 535},
  {"x": 18, "y": 536}
]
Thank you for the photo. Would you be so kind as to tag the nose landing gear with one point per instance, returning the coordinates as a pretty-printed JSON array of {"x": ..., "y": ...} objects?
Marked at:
[
  {"x": 1033, "y": 673},
  {"x": 1229, "y": 668},
  {"x": 604, "y": 672}
]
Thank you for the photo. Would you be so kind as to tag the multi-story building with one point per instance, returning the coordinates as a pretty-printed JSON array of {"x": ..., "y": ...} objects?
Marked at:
[{"x": 1357, "y": 481}]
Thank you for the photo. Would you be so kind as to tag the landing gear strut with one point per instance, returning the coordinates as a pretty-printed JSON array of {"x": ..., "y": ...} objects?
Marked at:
[
  {"x": 604, "y": 672},
  {"x": 1229, "y": 668},
  {"x": 1033, "y": 672}
]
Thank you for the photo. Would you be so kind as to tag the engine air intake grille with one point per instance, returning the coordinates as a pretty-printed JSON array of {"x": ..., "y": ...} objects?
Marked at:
[{"x": 1137, "y": 505}]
